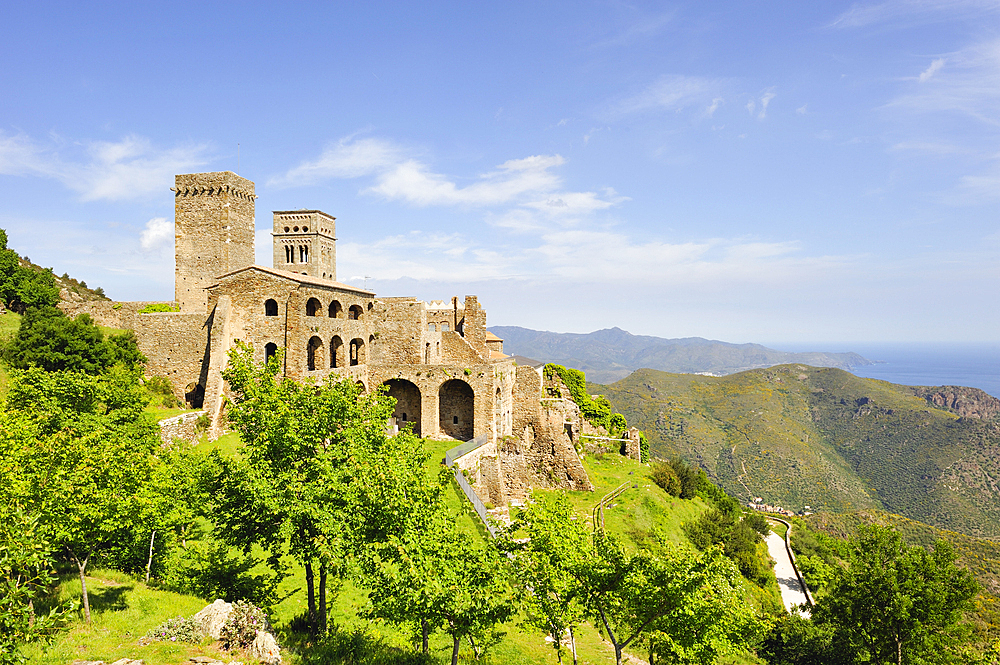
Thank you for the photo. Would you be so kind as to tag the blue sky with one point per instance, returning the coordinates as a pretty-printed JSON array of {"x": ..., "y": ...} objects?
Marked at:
[{"x": 745, "y": 171}]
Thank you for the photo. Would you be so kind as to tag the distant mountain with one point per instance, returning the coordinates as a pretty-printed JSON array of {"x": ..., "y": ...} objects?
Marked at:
[
  {"x": 799, "y": 436},
  {"x": 612, "y": 354}
]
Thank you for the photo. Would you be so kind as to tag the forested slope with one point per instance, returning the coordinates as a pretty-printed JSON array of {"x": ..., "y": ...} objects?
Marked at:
[{"x": 797, "y": 435}]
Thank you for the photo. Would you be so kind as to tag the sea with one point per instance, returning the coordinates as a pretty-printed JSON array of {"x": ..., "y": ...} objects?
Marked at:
[{"x": 921, "y": 363}]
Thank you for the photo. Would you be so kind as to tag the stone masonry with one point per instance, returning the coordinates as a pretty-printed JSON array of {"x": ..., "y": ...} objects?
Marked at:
[{"x": 448, "y": 374}]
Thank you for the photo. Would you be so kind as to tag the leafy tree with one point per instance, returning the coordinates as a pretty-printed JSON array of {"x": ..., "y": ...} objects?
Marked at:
[
  {"x": 664, "y": 475},
  {"x": 896, "y": 603},
  {"x": 543, "y": 563},
  {"x": 25, "y": 575},
  {"x": 641, "y": 596},
  {"x": 304, "y": 477},
  {"x": 795, "y": 640},
  {"x": 23, "y": 287},
  {"x": 78, "y": 451},
  {"x": 739, "y": 534},
  {"x": 49, "y": 339}
]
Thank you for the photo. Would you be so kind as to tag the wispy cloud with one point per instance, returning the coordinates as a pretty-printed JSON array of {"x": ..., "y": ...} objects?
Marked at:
[
  {"x": 930, "y": 71},
  {"x": 908, "y": 12},
  {"x": 969, "y": 85},
  {"x": 132, "y": 168},
  {"x": 672, "y": 92},
  {"x": 761, "y": 103},
  {"x": 398, "y": 176},
  {"x": 639, "y": 29}
]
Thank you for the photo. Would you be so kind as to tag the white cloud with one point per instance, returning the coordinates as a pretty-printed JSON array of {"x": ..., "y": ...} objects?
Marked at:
[
  {"x": 672, "y": 93},
  {"x": 764, "y": 100},
  {"x": 158, "y": 233},
  {"x": 345, "y": 159},
  {"x": 930, "y": 71},
  {"x": 710, "y": 111},
  {"x": 415, "y": 183},
  {"x": 802, "y": 110},
  {"x": 131, "y": 168}
]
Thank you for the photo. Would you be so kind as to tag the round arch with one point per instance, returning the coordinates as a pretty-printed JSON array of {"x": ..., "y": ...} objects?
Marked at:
[
  {"x": 407, "y": 396},
  {"x": 456, "y": 409},
  {"x": 314, "y": 354},
  {"x": 312, "y": 307}
]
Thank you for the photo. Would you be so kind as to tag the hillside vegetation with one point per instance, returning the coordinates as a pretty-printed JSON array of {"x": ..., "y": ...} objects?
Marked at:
[
  {"x": 611, "y": 354},
  {"x": 801, "y": 436}
]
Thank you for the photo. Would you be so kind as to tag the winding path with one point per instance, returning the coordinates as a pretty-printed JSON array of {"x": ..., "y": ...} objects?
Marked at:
[{"x": 792, "y": 588}]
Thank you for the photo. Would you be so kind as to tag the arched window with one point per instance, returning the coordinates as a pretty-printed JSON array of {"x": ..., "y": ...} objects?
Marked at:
[
  {"x": 303, "y": 253},
  {"x": 289, "y": 254},
  {"x": 444, "y": 327},
  {"x": 431, "y": 327},
  {"x": 312, "y": 307},
  {"x": 269, "y": 350},
  {"x": 270, "y": 307},
  {"x": 336, "y": 352},
  {"x": 357, "y": 351},
  {"x": 313, "y": 353},
  {"x": 355, "y": 312},
  {"x": 427, "y": 353},
  {"x": 335, "y": 310}
]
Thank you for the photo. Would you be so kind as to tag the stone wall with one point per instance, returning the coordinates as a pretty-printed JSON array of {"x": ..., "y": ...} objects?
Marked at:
[
  {"x": 109, "y": 314},
  {"x": 182, "y": 427}
]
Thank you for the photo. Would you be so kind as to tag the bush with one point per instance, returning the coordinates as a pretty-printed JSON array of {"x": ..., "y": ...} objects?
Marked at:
[
  {"x": 242, "y": 625},
  {"x": 664, "y": 475},
  {"x": 177, "y": 630},
  {"x": 597, "y": 410},
  {"x": 158, "y": 307}
]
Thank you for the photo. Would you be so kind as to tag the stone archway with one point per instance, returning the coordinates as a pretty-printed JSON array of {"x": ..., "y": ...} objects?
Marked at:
[
  {"x": 407, "y": 396},
  {"x": 456, "y": 409}
]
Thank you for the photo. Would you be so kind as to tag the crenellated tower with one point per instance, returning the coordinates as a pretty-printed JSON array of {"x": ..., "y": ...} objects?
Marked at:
[
  {"x": 305, "y": 242},
  {"x": 213, "y": 232}
]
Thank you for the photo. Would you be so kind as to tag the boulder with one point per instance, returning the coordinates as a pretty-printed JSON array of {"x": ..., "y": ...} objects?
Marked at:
[
  {"x": 213, "y": 617},
  {"x": 265, "y": 649}
]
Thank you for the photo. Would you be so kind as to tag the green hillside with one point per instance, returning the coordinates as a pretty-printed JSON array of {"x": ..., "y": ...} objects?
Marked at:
[{"x": 801, "y": 436}]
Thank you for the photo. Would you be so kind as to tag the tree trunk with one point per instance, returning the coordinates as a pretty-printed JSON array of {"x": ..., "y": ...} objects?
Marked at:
[
  {"x": 149, "y": 561},
  {"x": 425, "y": 630},
  {"x": 311, "y": 596},
  {"x": 454, "y": 650},
  {"x": 572, "y": 644},
  {"x": 83, "y": 585},
  {"x": 899, "y": 651},
  {"x": 322, "y": 599}
]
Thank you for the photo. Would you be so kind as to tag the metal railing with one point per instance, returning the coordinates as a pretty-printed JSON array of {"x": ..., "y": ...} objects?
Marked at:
[{"x": 449, "y": 459}]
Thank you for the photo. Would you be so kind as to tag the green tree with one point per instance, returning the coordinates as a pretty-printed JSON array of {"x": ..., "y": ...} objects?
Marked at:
[
  {"x": 79, "y": 452},
  {"x": 543, "y": 562},
  {"x": 25, "y": 576},
  {"x": 640, "y": 596},
  {"x": 23, "y": 287},
  {"x": 305, "y": 471},
  {"x": 49, "y": 339},
  {"x": 895, "y": 603}
]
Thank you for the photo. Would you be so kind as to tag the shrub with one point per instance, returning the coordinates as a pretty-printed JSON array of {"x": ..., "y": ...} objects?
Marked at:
[
  {"x": 597, "y": 410},
  {"x": 242, "y": 625},
  {"x": 158, "y": 307},
  {"x": 664, "y": 475},
  {"x": 177, "y": 630},
  {"x": 210, "y": 569}
]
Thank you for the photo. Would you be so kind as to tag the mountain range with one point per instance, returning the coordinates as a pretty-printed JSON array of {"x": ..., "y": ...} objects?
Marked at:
[
  {"x": 800, "y": 436},
  {"x": 612, "y": 354}
]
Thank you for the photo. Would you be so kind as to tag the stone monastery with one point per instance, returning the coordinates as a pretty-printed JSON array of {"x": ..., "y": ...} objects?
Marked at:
[{"x": 448, "y": 374}]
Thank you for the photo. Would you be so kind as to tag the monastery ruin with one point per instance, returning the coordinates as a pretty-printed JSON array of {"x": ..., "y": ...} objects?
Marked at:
[{"x": 448, "y": 374}]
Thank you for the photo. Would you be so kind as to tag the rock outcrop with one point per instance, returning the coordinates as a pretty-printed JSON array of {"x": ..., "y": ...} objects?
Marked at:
[
  {"x": 265, "y": 648},
  {"x": 966, "y": 402},
  {"x": 213, "y": 617}
]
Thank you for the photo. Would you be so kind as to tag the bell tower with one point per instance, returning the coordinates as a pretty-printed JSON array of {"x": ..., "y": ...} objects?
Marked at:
[
  {"x": 305, "y": 242},
  {"x": 213, "y": 233}
]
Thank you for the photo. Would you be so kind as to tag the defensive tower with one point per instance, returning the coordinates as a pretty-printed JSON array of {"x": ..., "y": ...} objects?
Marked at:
[
  {"x": 213, "y": 232},
  {"x": 305, "y": 242}
]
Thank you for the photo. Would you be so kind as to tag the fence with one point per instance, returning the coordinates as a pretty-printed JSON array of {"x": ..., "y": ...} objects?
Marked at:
[{"x": 470, "y": 494}]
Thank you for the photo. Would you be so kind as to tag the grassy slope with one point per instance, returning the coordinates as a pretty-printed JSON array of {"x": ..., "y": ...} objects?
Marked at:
[
  {"x": 125, "y": 609},
  {"x": 798, "y": 435}
]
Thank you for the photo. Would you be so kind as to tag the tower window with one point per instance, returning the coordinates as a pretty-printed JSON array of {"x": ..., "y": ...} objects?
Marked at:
[
  {"x": 270, "y": 307},
  {"x": 454, "y": 420},
  {"x": 286, "y": 229}
]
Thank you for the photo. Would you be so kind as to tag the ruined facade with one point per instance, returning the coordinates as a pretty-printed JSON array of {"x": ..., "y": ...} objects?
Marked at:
[{"x": 448, "y": 374}]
